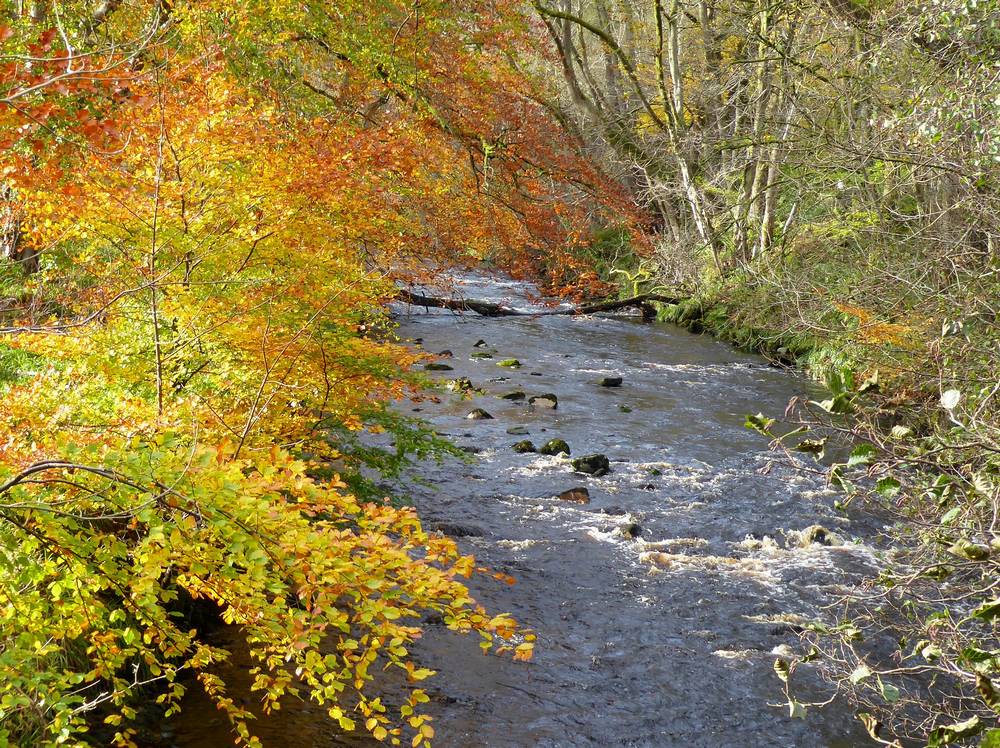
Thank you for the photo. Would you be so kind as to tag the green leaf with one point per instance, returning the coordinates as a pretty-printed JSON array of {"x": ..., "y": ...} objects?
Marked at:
[
  {"x": 947, "y": 734},
  {"x": 888, "y": 486},
  {"x": 782, "y": 669},
  {"x": 970, "y": 550},
  {"x": 796, "y": 710},
  {"x": 988, "y": 611},
  {"x": 948, "y": 517},
  {"x": 759, "y": 423},
  {"x": 889, "y": 692},
  {"x": 861, "y": 455},
  {"x": 991, "y": 739},
  {"x": 861, "y": 673},
  {"x": 815, "y": 447},
  {"x": 900, "y": 432}
]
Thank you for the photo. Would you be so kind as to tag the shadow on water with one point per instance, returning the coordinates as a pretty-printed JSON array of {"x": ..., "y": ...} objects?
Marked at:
[{"x": 663, "y": 639}]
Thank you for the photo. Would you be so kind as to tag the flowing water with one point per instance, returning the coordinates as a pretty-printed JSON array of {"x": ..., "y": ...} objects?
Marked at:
[{"x": 661, "y": 639}]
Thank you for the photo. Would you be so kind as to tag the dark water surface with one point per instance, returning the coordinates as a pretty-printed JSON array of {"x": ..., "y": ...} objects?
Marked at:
[{"x": 666, "y": 639}]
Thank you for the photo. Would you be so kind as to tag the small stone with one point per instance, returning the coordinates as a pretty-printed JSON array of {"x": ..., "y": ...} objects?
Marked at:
[
  {"x": 535, "y": 374},
  {"x": 610, "y": 381},
  {"x": 438, "y": 367},
  {"x": 479, "y": 415},
  {"x": 614, "y": 510},
  {"x": 624, "y": 409},
  {"x": 445, "y": 354},
  {"x": 648, "y": 487},
  {"x": 595, "y": 464},
  {"x": 516, "y": 395},
  {"x": 480, "y": 355},
  {"x": 579, "y": 495},
  {"x": 509, "y": 363},
  {"x": 518, "y": 431},
  {"x": 523, "y": 447},
  {"x": 554, "y": 447},
  {"x": 470, "y": 449},
  {"x": 480, "y": 344},
  {"x": 549, "y": 401}
]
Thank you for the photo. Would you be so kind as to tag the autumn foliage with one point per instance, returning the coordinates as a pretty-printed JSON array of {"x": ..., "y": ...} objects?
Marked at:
[{"x": 205, "y": 207}]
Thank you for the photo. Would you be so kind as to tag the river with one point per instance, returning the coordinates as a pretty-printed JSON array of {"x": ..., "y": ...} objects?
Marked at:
[{"x": 659, "y": 604}]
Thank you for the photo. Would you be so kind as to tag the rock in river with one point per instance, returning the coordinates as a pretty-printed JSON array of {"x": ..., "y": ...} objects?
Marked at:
[
  {"x": 595, "y": 464},
  {"x": 516, "y": 395},
  {"x": 481, "y": 354},
  {"x": 510, "y": 363},
  {"x": 548, "y": 400},
  {"x": 479, "y": 415},
  {"x": 437, "y": 367},
  {"x": 610, "y": 381},
  {"x": 462, "y": 384},
  {"x": 523, "y": 447},
  {"x": 480, "y": 344},
  {"x": 579, "y": 495},
  {"x": 554, "y": 447},
  {"x": 518, "y": 431}
]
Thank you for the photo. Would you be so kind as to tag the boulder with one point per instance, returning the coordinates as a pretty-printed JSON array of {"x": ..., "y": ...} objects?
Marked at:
[
  {"x": 610, "y": 381},
  {"x": 578, "y": 495},
  {"x": 548, "y": 400},
  {"x": 434, "y": 366},
  {"x": 554, "y": 447},
  {"x": 595, "y": 464},
  {"x": 479, "y": 415},
  {"x": 516, "y": 395},
  {"x": 523, "y": 447},
  {"x": 510, "y": 363}
]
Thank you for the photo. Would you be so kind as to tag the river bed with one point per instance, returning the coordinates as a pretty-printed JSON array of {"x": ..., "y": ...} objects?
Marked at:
[{"x": 657, "y": 605}]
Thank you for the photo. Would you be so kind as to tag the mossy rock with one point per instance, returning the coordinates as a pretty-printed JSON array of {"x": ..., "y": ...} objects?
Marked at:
[
  {"x": 438, "y": 367},
  {"x": 510, "y": 363},
  {"x": 480, "y": 355},
  {"x": 525, "y": 446},
  {"x": 547, "y": 400},
  {"x": 554, "y": 447},
  {"x": 595, "y": 464}
]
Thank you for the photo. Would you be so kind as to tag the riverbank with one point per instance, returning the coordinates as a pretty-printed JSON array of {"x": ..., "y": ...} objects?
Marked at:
[{"x": 914, "y": 396}]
